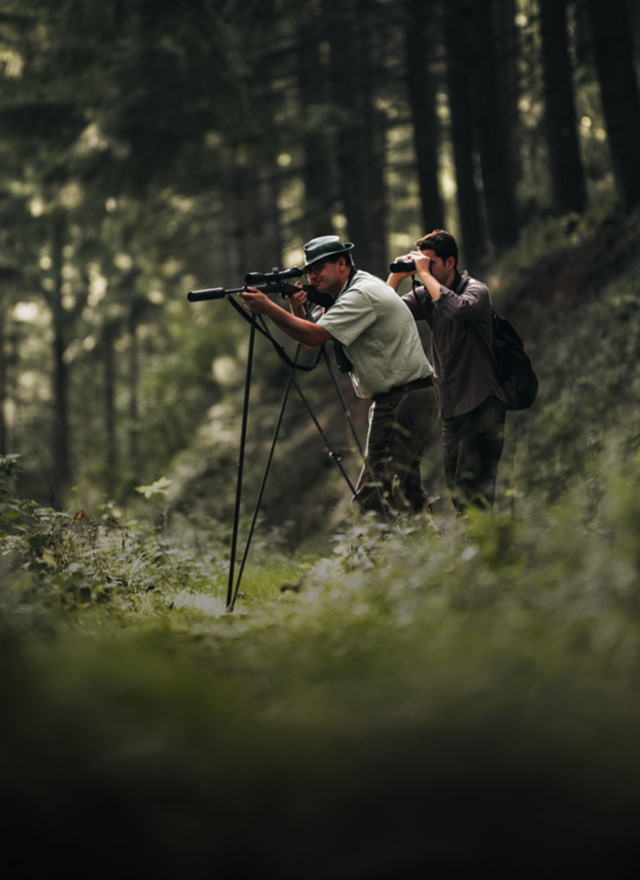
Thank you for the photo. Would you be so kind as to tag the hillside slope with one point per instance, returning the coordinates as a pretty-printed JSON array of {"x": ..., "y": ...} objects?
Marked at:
[
  {"x": 573, "y": 297},
  {"x": 579, "y": 312}
]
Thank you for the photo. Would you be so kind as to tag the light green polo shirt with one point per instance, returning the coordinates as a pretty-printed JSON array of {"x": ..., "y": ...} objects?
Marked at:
[{"x": 379, "y": 336}]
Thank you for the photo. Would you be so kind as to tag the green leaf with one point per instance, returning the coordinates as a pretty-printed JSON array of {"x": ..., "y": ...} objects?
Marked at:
[{"x": 160, "y": 487}]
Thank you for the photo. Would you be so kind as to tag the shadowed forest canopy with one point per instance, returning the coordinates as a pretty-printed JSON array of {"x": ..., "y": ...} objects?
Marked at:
[{"x": 150, "y": 147}]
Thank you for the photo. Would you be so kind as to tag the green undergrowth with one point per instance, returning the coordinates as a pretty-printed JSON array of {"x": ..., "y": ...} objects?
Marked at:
[
  {"x": 435, "y": 695},
  {"x": 429, "y": 682}
]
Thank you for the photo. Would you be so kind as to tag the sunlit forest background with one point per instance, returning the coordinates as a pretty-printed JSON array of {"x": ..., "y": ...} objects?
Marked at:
[
  {"x": 149, "y": 148},
  {"x": 385, "y": 698}
]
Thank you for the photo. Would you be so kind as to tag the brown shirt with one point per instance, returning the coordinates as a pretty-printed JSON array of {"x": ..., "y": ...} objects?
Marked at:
[{"x": 461, "y": 333}]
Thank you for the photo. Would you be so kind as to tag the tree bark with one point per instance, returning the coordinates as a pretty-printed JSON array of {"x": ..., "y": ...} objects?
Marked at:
[
  {"x": 613, "y": 50},
  {"x": 359, "y": 132},
  {"x": 508, "y": 54},
  {"x": 134, "y": 409},
  {"x": 61, "y": 462},
  {"x": 109, "y": 393},
  {"x": 468, "y": 197},
  {"x": 421, "y": 86},
  {"x": 314, "y": 101},
  {"x": 492, "y": 125},
  {"x": 257, "y": 216},
  {"x": 567, "y": 173},
  {"x": 4, "y": 444}
]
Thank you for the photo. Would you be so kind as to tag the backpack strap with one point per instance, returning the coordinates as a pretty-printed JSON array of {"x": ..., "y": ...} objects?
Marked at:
[
  {"x": 342, "y": 361},
  {"x": 487, "y": 347}
]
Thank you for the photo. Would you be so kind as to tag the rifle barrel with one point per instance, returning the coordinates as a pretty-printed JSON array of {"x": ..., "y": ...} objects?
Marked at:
[{"x": 211, "y": 293}]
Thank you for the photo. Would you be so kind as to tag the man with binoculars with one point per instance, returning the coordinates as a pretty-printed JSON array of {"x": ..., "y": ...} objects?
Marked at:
[
  {"x": 377, "y": 342},
  {"x": 459, "y": 313}
]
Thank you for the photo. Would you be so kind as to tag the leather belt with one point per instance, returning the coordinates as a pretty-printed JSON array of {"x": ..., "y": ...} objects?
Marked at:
[{"x": 427, "y": 382}]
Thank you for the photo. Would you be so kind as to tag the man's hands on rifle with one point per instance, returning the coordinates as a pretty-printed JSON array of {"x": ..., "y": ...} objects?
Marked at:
[
  {"x": 297, "y": 326},
  {"x": 298, "y": 301},
  {"x": 257, "y": 301}
]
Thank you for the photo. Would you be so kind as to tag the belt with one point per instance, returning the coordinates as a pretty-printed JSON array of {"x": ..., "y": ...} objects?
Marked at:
[{"x": 427, "y": 382}]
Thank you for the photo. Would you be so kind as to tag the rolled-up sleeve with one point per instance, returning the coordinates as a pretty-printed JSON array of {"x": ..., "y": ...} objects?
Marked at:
[{"x": 474, "y": 302}]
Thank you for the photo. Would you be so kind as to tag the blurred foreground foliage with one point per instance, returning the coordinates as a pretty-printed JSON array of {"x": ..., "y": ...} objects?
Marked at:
[{"x": 434, "y": 695}]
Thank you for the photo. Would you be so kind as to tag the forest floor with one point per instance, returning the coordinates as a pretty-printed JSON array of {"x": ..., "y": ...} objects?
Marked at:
[{"x": 431, "y": 696}]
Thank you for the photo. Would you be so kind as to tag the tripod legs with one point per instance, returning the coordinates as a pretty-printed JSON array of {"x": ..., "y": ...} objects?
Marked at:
[
  {"x": 232, "y": 590},
  {"x": 243, "y": 440}
]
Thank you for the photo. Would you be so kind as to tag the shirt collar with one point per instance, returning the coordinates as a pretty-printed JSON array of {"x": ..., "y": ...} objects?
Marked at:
[{"x": 349, "y": 280}]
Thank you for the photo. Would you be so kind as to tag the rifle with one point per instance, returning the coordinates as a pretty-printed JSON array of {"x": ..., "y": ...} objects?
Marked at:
[{"x": 268, "y": 282}]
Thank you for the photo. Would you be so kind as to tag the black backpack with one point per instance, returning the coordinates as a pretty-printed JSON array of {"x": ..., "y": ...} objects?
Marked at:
[
  {"x": 515, "y": 372},
  {"x": 513, "y": 365}
]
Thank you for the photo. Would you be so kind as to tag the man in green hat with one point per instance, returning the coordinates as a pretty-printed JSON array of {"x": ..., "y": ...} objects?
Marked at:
[{"x": 383, "y": 354}]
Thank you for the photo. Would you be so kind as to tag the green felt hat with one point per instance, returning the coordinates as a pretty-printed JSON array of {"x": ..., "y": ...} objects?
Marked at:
[{"x": 325, "y": 246}]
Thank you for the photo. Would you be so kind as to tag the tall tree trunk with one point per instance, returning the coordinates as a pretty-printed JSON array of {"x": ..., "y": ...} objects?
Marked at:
[
  {"x": 266, "y": 186},
  {"x": 508, "y": 50},
  {"x": 109, "y": 392},
  {"x": 422, "y": 98},
  {"x": 567, "y": 173},
  {"x": 256, "y": 181},
  {"x": 634, "y": 23},
  {"x": 9, "y": 360},
  {"x": 472, "y": 222},
  {"x": 317, "y": 167},
  {"x": 613, "y": 49},
  {"x": 134, "y": 414},
  {"x": 257, "y": 216},
  {"x": 359, "y": 132},
  {"x": 582, "y": 42},
  {"x": 61, "y": 459},
  {"x": 492, "y": 124},
  {"x": 4, "y": 443}
]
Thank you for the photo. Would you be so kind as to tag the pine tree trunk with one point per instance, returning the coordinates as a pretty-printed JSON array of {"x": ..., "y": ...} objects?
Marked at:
[
  {"x": 61, "y": 458},
  {"x": 469, "y": 201},
  {"x": 257, "y": 217},
  {"x": 4, "y": 443},
  {"x": 567, "y": 174},
  {"x": 133, "y": 391},
  {"x": 359, "y": 133},
  {"x": 508, "y": 55},
  {"x": 318, "y": 168},
  {"x": 422, "y": 98},
  {"x": 111, "y": 450},
  {"x": 494, "y": 128},
  {"x": 613, "y": 49}
]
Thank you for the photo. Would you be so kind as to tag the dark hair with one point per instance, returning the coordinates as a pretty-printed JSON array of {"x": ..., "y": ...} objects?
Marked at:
[{"x": 442, "y": 243}]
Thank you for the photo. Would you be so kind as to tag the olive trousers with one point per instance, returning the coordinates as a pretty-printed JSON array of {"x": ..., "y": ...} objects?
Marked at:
[
  {"x": 472, "y": 446},
  {"x": 399, "y": 422}
]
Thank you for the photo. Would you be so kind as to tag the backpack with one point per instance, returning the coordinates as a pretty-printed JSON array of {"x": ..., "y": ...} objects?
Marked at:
[{"x": 515, "y": 372}]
